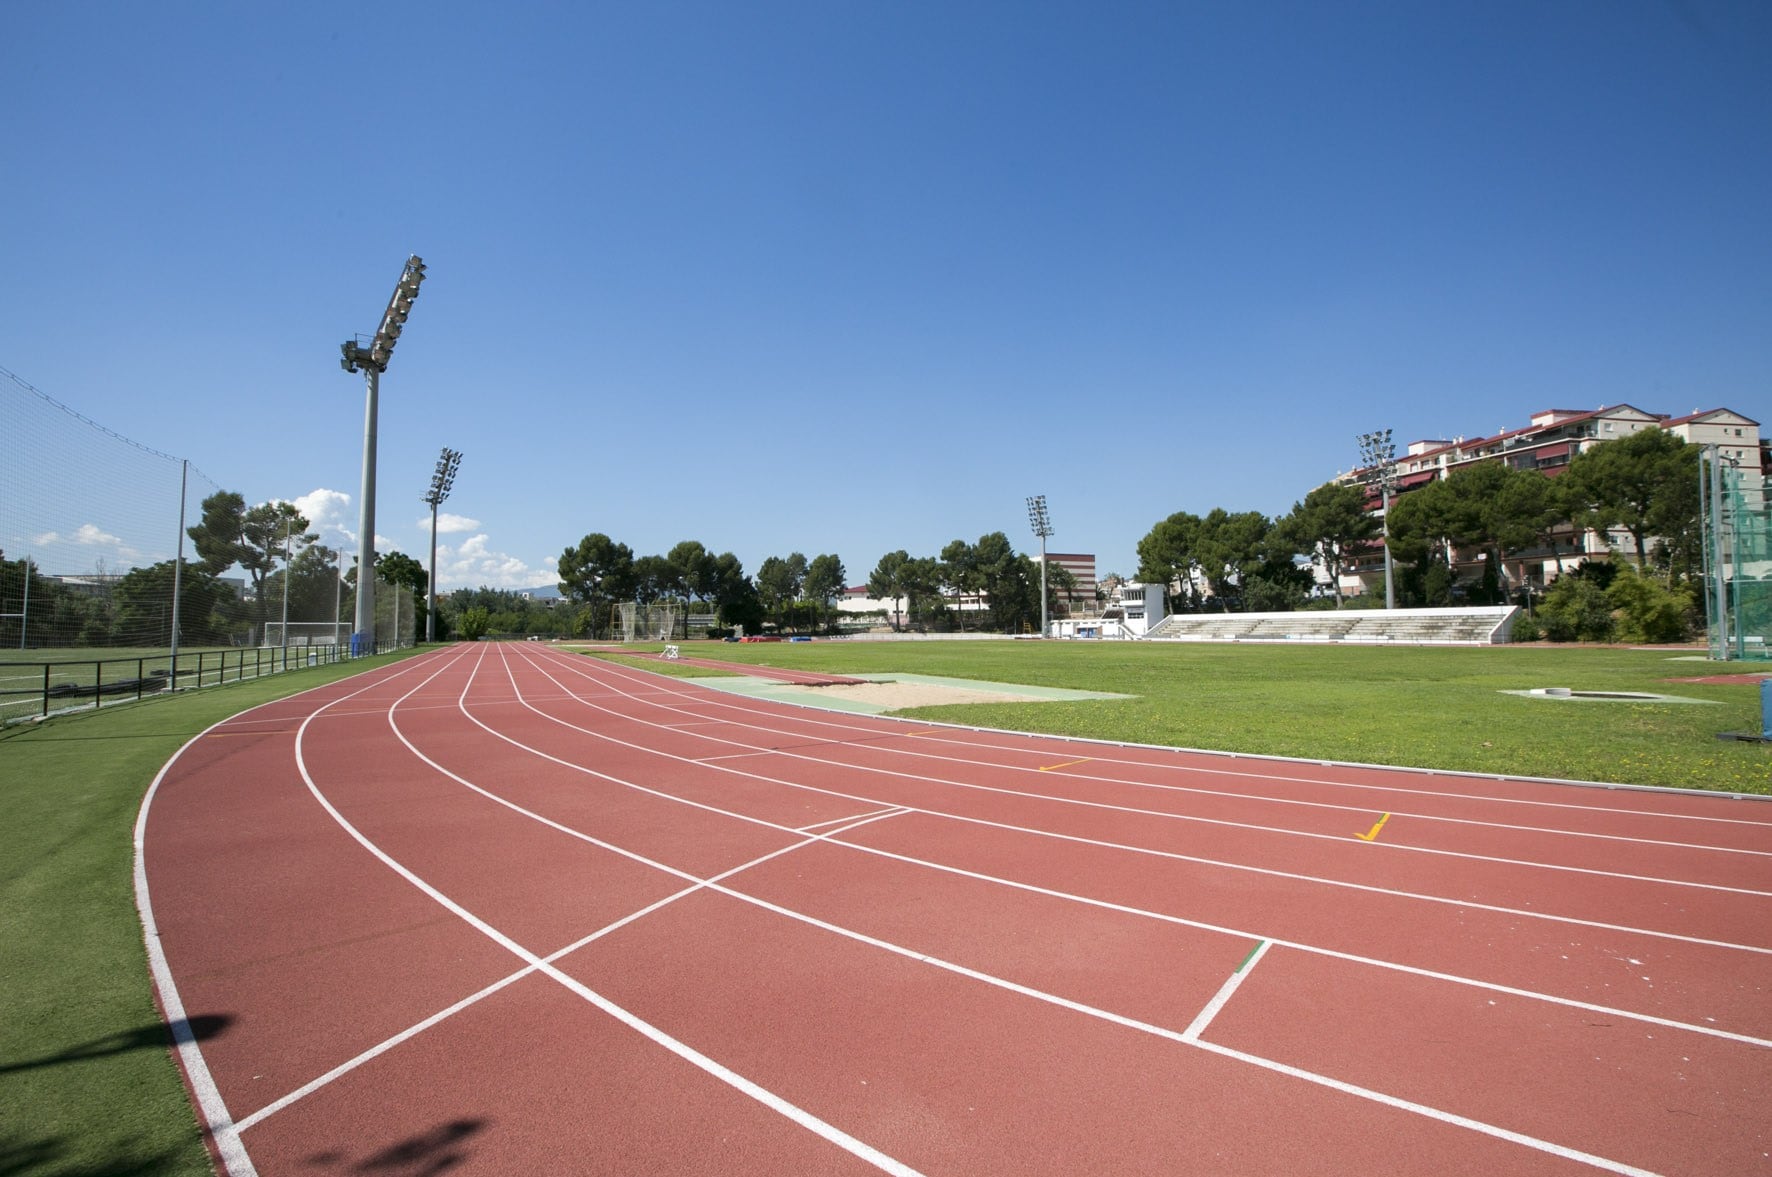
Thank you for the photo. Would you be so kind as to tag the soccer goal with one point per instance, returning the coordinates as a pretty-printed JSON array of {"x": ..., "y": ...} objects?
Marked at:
[
  {"x": 307, "y": 633},
  {"x": 647, "y": 623},
  {"x": 661, "y": 622}
]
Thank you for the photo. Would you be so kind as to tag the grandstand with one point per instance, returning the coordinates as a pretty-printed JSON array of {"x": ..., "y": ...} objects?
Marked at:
[{"x": 1486, "y": 625}]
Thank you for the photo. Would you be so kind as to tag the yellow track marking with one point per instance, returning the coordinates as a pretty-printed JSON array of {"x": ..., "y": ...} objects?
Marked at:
[{"x": 1372, "y": 833}]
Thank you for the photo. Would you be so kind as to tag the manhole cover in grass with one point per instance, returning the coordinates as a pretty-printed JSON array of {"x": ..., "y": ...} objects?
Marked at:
[{"x": 1603, "y": 696}]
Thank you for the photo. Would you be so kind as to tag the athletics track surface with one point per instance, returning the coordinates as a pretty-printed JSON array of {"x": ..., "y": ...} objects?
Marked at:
[{"x": 505, "y": 909}]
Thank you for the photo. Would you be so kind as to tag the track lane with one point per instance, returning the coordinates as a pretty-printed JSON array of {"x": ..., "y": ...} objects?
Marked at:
[
  {"x": 875, "y": 891},
  {"x": 1585, "y": 950},
  {"x": 698, "y": 711},
  {"x": 1675, "y": 1101}
]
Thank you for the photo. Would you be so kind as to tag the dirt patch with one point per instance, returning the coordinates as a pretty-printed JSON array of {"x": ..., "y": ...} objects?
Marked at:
[{"x": 895, "y": 695}]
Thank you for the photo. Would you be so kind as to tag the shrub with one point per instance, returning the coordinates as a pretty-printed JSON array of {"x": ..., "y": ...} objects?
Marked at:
[
  {"x": 1647, "y": 610},
  {"x": 1575, "y": 609}
]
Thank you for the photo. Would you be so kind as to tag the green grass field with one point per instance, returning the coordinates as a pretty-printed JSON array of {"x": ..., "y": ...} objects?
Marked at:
[
  {"x": 1422, "y": 707},
  {"x": 87, "y": 1086}
]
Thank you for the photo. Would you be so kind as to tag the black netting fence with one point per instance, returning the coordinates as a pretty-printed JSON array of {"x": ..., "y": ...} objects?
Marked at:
[{"x": 102, "y": 582}]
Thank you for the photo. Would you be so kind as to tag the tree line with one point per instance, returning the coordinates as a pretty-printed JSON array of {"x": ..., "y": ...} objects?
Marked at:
[
  {"x": 985, "y": 585},
  {"x": 599, "y": 574},
  {"x": 286, "y": 572},
  {"x": 1644, "y": 485}
]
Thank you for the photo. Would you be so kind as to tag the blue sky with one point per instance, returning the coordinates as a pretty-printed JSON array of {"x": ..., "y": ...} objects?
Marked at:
[{"x": 844, "y": 277}]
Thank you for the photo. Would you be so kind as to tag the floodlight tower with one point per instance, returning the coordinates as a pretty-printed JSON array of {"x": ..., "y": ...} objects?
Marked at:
[
  {"x": 1042, "y": 525},
  {"x": 373, "y": 360},
  {"x": 441, "y": 480},
  {"x": 1378, "y": 464}
]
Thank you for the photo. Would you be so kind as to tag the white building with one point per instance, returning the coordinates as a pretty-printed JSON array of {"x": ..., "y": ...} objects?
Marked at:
[
  {"x": 1549, "y": 444},
  {"x": 1132, "y": 611}
]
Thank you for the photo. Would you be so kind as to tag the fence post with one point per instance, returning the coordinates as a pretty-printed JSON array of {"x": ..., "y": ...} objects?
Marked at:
[{"x": 46, "y": 667}]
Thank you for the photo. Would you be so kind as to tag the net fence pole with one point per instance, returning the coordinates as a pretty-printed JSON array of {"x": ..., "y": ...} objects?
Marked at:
[
  {"x": 338, "y": 596},
  {"x": 24, "y": 616},
  {"x": 178, "y": 567},
  {"x": 1720, "y": 645}
]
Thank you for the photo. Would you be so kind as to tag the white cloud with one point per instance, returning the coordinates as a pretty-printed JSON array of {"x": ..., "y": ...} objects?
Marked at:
[
  {"x": 86, "y": 535},
  {"x": 328, "y": 513},
  {"x": 90, "y": 535},
  {"x": 474, "y": 564},
  {"x": 447, "y": 524}
]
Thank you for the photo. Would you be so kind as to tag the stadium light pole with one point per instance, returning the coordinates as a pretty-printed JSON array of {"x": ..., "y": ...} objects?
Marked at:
[
  {"x": 1042, "y": 525},
  {"x": 441, "y": 480},
  {"x": 1378, "y": 463},
  {"x": 373, "y": 361}
]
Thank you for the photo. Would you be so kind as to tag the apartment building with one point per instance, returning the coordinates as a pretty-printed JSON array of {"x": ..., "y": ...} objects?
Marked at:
[{"x": 1549, "y": 444}]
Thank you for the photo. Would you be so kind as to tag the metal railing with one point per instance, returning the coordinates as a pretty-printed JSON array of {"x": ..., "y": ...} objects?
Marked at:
[{"x": 38, "y": 689}]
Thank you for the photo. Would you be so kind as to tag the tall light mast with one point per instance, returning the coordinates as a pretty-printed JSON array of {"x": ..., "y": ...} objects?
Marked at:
[
  {"x": 1378, "y": 461},
  {"x": 1042, "y": 525},
  {"x": 373, "y": 361},
  {"x": 441, "y": 480}
]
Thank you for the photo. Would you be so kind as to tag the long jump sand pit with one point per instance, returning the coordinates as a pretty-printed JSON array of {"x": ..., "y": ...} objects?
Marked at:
[
  {"x": 895, "y": 692},
  {"x": 892, "y": 695}
]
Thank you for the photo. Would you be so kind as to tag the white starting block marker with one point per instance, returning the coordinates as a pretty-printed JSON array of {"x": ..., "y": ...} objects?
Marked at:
[{"x": 672, "y": 653}]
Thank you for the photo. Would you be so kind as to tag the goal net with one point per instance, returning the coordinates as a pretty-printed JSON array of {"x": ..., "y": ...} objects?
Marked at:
[
  {"x": 307, "y": 633},
  {"x": 661, "y": 622},
  {"x": 648, "y": 623}
]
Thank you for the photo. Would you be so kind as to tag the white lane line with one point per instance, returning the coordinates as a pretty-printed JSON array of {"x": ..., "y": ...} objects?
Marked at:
[
  {"x": 214, "y": 1108},
  {"x": 755, "y": 749},
  {"x": 417, "y": 1028},
  {"x": 1421, "y": 1109},
  {"x": 1220, "y": 999},
  {"x": 890, "y": 811},
  {"x": 798, "y": 1115},
  {"x": 1522, "y": 913},
  {"x": 1412, "y": 970},
  {"x": 1002, "y": 983},
  {"x": 951, "y": 733},
  {"x": 1314, "y": 949}
]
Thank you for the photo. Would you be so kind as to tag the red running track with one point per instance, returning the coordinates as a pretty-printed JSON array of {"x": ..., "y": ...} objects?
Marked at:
[{"x": 505, "y": 909}]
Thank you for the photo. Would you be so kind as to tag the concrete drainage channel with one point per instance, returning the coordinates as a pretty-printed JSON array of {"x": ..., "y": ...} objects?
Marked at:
[{"x": 1604, "y": 696}]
